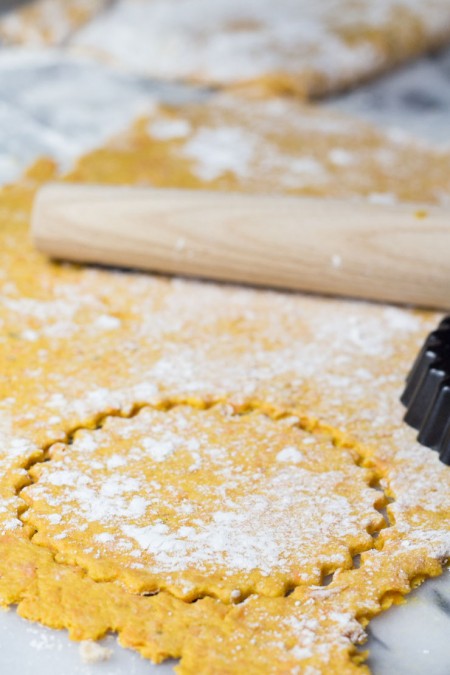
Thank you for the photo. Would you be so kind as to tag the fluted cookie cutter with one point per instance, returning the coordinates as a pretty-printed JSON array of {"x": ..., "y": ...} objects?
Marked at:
[{"x": 427, "y": 392}]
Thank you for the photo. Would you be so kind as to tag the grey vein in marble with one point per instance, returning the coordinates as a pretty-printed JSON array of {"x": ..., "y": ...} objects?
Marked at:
[{"x": 414, "y": 99}]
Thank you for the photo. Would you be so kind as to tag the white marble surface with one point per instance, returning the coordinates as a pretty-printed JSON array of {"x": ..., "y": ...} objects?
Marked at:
[
  {"x": 54, "y": 104},
  {"x": 413, "y": 639}
]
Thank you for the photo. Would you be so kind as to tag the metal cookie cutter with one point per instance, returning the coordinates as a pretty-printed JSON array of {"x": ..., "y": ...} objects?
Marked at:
[{"x": 427, "y": 392}]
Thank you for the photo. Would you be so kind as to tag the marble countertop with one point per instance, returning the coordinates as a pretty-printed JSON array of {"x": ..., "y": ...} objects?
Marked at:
[{"x": 53, "y": 103}]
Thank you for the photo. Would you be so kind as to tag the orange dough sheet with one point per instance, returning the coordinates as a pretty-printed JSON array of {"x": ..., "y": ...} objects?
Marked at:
[{"x": 286, "y": 371}]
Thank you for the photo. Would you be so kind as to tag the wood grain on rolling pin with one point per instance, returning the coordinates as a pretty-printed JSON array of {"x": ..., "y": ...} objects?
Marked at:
[{"x": 398, "y": 253}]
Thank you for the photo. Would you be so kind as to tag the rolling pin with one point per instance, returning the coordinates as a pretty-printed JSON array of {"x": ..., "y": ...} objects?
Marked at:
[{"x": 397, "y": 253}]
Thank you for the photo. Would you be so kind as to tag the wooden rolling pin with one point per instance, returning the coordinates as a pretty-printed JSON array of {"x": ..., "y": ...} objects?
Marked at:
[{"x": 398, "y": 253}]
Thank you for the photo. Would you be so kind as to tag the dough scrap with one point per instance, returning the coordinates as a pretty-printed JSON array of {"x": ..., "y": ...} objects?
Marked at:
[
  {"x": 292, "y": 46},
  {"x": 203, "y": 502},
  {"x": 47, "y": 22},
  {"x": 314, "y": 630},
  {"x": 80, "y": 344}
]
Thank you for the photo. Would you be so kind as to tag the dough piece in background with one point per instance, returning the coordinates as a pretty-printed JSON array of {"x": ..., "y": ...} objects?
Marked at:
[
  {"x": 47, "y": 22},
  {"x": 290, "y": 46}
]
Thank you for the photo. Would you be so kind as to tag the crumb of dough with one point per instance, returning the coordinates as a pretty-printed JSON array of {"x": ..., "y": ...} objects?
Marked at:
[{"x": 93, "y": 652}]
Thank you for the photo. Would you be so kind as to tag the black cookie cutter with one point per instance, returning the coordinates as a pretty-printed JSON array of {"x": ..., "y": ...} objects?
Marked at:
[{"x": 427, "y": 392}]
